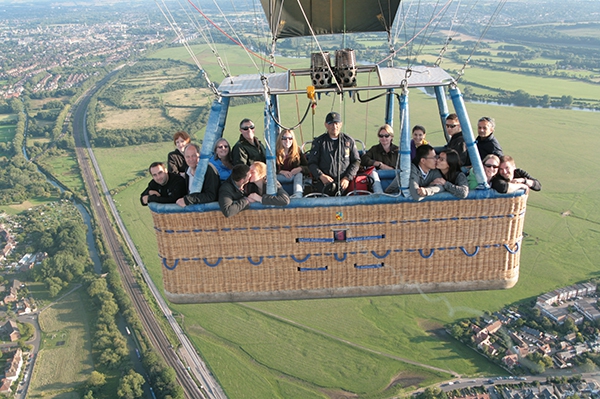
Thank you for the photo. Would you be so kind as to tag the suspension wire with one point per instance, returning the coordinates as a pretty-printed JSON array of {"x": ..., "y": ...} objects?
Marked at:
[
  {"x": 428, "y": 33},
  {"x": 185, "y": 43},
  {"x": 248, "y": 51},
  {"x": 417, "y": 34},
  {"x": 487, "y": 27},
  {"x": 204, "y": 30},
  {"x": 409, "y": 50},
  {"x": 312, "y": 32}
]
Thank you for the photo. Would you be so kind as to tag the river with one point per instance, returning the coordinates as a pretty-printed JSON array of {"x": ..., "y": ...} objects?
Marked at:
[{"x": 84, "y": 214}]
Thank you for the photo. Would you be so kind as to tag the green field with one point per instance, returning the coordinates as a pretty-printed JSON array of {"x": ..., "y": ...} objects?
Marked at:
[
  {"x": 356, "y": 347},
  {"x": 66, "y": 359},
  {"x": 66, "y": 169}
]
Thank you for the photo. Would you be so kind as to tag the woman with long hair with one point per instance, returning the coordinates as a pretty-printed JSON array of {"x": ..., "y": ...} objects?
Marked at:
[
  {"x": 222, "y": 159},
  {"x": 289, "y": 157},
  {"x": 454, "y": 181}
]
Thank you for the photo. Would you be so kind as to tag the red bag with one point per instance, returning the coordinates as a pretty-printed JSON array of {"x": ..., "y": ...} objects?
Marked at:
[{"x": 362, "y": 183}]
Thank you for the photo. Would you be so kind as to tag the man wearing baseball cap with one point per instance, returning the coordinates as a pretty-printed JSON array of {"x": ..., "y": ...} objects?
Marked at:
[{"x": 334, "y": 159}]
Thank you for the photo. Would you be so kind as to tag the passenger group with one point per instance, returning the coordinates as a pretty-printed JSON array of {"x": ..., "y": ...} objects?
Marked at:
[{"x": 236, "y": 177}]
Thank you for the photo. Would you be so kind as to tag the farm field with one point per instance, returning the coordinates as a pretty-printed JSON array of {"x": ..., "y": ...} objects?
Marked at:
[
  {"x": 65, "y": 360},
  {"x": 558, "y": 250},
  {"x": 368, "y": 346}
]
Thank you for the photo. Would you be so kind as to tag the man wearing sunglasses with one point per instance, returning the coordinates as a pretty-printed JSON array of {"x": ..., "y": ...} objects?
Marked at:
[
  {"x": 334, "y": 159},
  {"x": 457, "y": 142},
  {"x": 248, "y": 149}
]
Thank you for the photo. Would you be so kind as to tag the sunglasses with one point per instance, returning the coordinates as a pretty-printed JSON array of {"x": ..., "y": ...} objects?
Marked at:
[
  {"x": 247, "y": 127},
  {"x": 286, "y": 138},
  {"x": 491, "y": 166},
  {"x": 384, "y": 136},
  {"x": 222, "y": 146},
  {"x": 451, "y": 126}
]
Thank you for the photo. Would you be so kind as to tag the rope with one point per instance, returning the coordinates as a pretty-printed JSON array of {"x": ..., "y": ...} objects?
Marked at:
[
  {"x": 204, "y": 30},
  {"x": 312, "y": 32},
  {"x": 489, "y": 24},
  {"x": 248, "y": 51},
  {"x": 417, "y": 34},
  {"x": 183, "y": 40}
]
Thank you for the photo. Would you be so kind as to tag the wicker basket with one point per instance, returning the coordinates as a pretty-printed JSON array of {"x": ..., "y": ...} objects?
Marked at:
[{"x": 340, "y": 251}]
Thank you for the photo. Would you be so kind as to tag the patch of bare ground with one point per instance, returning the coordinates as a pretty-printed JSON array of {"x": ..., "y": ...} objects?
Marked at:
[
  {"x": 406, "y": 380},
  {"x": 565, "y": 213}
]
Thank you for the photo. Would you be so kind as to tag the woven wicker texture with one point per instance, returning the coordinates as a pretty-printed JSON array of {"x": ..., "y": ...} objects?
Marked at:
[{"x": 380, "y": 249}]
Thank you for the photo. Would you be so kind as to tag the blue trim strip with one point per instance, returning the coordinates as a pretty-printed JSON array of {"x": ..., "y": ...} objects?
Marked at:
[
  {"x": 365, "y": 238},
  {"x": 314, "y": 239},
  {"x": 375, "y": 266},
  {"x": 312, "y": 269}
]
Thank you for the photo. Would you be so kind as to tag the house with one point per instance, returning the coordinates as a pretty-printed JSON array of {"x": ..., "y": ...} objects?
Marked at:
[
  {"x": 5, "y": 386},
  {"x": 13, "y": 366},
  {"x": 493, "y": 327},
  {"x": 12, "y": 330},
  {"x": 510, "y": 360}
]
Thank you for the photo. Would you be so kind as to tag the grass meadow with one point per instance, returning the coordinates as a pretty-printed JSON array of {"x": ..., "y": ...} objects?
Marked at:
[
  {"x": 7, "y": 134},
  {"x": 66, "y": 169},
  {"x": 65, "y": 362},
  {"x": 378, "y": 347}
]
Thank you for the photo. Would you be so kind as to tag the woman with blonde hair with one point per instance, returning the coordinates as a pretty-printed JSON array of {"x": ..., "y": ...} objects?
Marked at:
[
  {"x": 222, "y": 159},
  {"x": 383, "y": 155},
  {"x": 289, "y": 157},
  {"x": 257, "y": 187}
]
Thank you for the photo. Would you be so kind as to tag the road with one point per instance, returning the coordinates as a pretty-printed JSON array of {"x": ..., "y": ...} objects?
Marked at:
[{"x": 209, "y": 388}]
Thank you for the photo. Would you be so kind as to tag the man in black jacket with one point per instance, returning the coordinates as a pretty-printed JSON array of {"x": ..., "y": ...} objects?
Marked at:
[
  {"x": 486, "y": 142},
  {"x": 210, "y": 187},
  {"x": 232, "y": 199},
  {"x": 457, "y": 141},
  {"x": 248, "y": 148},
  {"x": 333, "y": 156},
  {"x": 165, "y": 187},
  {"x": 510, "y": 179}
]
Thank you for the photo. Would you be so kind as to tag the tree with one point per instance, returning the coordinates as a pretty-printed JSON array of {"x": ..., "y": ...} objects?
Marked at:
[
  {"x": 131, "y": 386},
  {"x": 96, "y": 379}
]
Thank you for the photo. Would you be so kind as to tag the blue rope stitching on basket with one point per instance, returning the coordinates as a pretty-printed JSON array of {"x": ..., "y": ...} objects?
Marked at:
[
  {"x": 470, "y": 255},
  {"x": 344, "y": 255}
]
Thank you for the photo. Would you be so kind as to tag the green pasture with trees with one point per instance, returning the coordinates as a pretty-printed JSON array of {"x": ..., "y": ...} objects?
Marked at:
[{"x": 363, "y": 337}]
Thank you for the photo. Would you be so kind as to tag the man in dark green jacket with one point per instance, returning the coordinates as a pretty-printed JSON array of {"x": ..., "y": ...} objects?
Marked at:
[{"x": 248, "y": 148}]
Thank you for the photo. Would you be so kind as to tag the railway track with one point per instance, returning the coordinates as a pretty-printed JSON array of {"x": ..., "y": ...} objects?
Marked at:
[{"x": 151, "y": 326}]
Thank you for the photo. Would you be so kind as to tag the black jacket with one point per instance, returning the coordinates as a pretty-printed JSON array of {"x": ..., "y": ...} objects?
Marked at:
[
  {"x": 169, "y": 193},
  {"x": 210, "y": 188},
  {"x": 231, "y": 199},
  {"x": 245, "y": 153},
  {"x": 457, "y": 143},
  {"x": 326, "y": 159}
]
